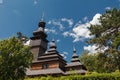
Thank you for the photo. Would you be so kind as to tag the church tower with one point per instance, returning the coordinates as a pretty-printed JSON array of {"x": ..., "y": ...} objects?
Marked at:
[
  {"x": 38, "y": 42},
  {"x": 50, "y": 62},
  {"x": 75, "y": 65}
]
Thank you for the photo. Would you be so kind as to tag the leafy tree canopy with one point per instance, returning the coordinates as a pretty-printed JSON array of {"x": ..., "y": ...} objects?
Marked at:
[
  {"x": 14, "y": 59},
  {"x": 22, "y": 37},
  {"x": 108, "y": 33}
]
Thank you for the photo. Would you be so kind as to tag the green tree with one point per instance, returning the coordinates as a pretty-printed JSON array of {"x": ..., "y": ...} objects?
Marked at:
[
  {"x": 105, "y": 62},
  {"x": 14, "y": 59},
  {"x": 89, "y": 61},
  {"x": 99, "y": 62},
  {"x": 22, "y": 37},
  {"x": 107, "y": 34}
]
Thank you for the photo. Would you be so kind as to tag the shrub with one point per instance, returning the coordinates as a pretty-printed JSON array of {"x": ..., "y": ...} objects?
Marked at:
[{"x": 91, "y": 76}]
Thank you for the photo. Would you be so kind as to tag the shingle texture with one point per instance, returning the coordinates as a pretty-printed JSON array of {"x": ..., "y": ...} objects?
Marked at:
[{"x": 44, "y": 72}]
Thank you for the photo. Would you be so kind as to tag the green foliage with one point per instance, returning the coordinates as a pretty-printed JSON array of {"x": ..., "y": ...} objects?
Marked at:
[
  {"x": 109, "y": 30},
  {"x": 22, "y": 37},
  {"x": 107, "y": 34},
  {"x": 88, "y": 61},
  {"x": 90, "y": 76},
  {"x": 116, "y": 42},
  {"x": 101, "y": 62},
  {"x": 14, "y": 59}
]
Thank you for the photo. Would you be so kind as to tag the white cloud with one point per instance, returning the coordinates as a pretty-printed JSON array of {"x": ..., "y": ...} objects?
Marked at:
[
  {"x": 95, "y": 20},
  {"x": 108, "y": 8},
  {"x": 81, "y": 31},
  {"x": 64, "y": 54},
  {"x": 93, "y": 49},
  {"x": 50, "y": 31},
  {"x": 73, "y": 35},
  {"x": 1, "y": 1},
  {"x": 58, "y": 40},
  {"x": 66, "y": 34},
  {"x": 85, "y": 19},
  {"x": 56, "y": 23},
  {"x": 27, "y": 43},
  {"x": 70, "y": 21},
  {"x": 49, "y": 22}
]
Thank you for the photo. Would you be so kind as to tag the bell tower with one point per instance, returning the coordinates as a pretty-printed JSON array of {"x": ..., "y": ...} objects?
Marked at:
[{"x": 38, "y": 42}]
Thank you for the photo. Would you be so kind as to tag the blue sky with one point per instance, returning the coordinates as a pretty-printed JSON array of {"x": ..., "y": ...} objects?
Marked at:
[{"x": 66, "y": 20}]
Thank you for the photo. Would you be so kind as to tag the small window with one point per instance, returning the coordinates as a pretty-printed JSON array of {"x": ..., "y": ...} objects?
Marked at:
[{"x": 45, "y": 66}]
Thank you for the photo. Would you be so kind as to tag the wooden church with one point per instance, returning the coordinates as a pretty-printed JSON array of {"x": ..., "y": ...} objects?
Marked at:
[{"x": 50, "y": 62}]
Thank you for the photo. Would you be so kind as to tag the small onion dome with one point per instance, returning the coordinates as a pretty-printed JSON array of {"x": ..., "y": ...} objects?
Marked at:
[
  {"x": 75, "y": 57},
  {"x": 74, "y": 53},
  {"x": 52, "y": 44}
]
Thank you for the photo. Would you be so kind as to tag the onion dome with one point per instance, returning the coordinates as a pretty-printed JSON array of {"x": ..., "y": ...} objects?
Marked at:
[{"x": 75, "y": 57}]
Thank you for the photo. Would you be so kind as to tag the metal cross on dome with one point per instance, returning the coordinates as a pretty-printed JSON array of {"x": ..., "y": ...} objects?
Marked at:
[{"x": 42, "y": 16}]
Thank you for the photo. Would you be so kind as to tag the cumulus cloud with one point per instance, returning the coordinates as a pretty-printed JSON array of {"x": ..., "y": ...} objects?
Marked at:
[
  {"x": 108, "y": 8},
  {"x": 64, "y": 54},
  {"x": 58, "y": 40},
  {"x": 67, "y": 34},
  {"x": 95, "y": 20},
  {"x": 93, "y": 49},
  {"x": 70, "y": 21},
  {"x": 73, "y": 35},
  {"x": 81, "y": 31},
  {"x": 27, "y": 43},
  {"x": 50, "y": 31},
  {"x": 56, "y": 23},
  {"x": 1, "y": 1},
  {"x": 85, "y": 19}
]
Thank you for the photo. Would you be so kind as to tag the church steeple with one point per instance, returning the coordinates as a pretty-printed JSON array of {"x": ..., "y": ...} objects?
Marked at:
[
  {"x": 40, "y": 33},
  {"x": 75, "y": 57},
  {"x": 42, "y": 23},
  {"x": 39, "y": 42}
]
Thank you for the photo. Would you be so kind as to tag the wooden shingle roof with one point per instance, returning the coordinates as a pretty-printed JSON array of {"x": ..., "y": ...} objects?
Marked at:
[
  {"x": 75, "y": 60},
  {"x": 44, "y": 72}
]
